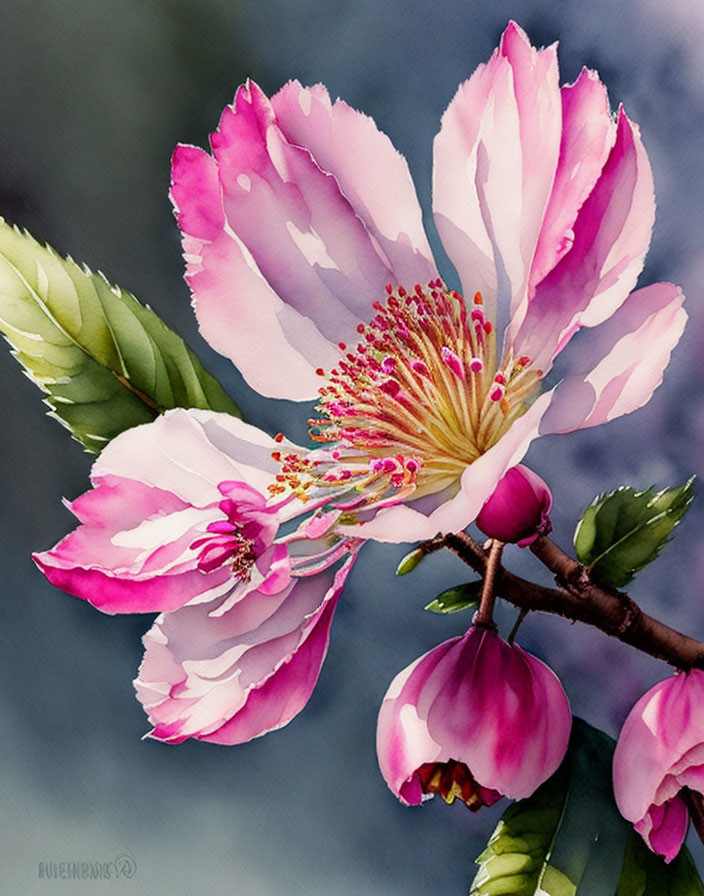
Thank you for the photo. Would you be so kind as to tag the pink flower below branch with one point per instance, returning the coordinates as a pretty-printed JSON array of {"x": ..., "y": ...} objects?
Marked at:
[{"x": 475, "y": 718}]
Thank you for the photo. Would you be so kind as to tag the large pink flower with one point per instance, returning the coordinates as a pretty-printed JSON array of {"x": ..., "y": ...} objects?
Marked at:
[
  {"x": 660, "y": 751},
  {"x": 310, "y": 269},
  {"x": 475, "y": 718},
  {"x": 179, "y": 521}
]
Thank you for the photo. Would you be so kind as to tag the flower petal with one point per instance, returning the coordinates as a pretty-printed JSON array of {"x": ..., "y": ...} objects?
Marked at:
[
  {"x": 664, "y": 725},
  {"x": 292, "y": 246},
  {"x": 611, "y": 237},
  {"x": 371, "y": 174},
  {"x": 494, "y": 164},
  {"x": 231, "y": 677},
  {"x": 189, "y": 452},
  {"x": 622, "y": 361},
  {"x": 588, "y": 133}
]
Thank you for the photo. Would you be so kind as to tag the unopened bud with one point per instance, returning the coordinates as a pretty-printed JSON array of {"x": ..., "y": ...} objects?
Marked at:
[{"x": 517, "y": 511}]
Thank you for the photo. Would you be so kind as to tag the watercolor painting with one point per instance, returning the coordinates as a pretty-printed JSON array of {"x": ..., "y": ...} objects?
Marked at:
[{"x": 269, "y": 590}]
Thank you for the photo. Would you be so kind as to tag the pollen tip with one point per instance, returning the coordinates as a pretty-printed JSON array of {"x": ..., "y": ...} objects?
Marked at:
[
  {"x": 279, "y": 437},
  {"x": 478, "y": 300},
  {"x": 389, "y": 288},
  {"x": 319, "y": 371}
]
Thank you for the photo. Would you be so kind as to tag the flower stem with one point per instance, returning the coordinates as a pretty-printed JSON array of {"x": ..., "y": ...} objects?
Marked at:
[
  {"x": 578, "y": 598},
  {"x": 517, "y": 624},
  {"x": 484, "y": 616}
]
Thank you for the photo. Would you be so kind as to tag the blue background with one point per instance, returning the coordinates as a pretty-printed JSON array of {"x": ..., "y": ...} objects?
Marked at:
[{"x": 93, "y": 98}]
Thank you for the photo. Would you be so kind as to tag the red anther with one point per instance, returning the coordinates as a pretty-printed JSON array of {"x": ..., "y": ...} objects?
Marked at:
[
  {"x": 390, "y": 387},
  {"x": 477, "y": 314},
  {"x": 377, "y": 306},
  {"x": 455, "y": 295},
  {"x": 452, "y": 361},
  {"x": 496, "y": 393},
  {"x": 524, "y": 361},
  {"x": 401, "y": 291},
  {"x": 487, "y": 326},
  {"x": 476, "y": 365},
  {"x": 500, "y": 378},
  {"x": 320, "y": 371},
  {"x": 418, "y": 289},
  {"x": 279, "y": 437},
  {"x": 389, "y": 288},
  {"x": 276, "y": 455},
  {"x": 420, "y": 368},
  {"x": 412, "y": 466},
  {"x": 360, "y": 328},
  {"x": 478, "y": 300},
  {"x": 342, "y": 346}
]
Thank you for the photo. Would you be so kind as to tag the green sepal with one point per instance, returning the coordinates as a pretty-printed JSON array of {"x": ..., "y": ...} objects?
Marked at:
[
  {"x": 105, "y": 362},
  {"x": 461, "y": 597},
  {"x": 409, "y": 562},
  {"x": 625, "y": 530}
]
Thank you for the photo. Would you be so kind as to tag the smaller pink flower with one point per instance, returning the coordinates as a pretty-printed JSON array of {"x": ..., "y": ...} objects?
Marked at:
[
  {"x": 517, "y": 511},
  {"x": 475, "y": 718},
  {"x": 178, "y": 522},
  {"x": 660, "y": 751}
]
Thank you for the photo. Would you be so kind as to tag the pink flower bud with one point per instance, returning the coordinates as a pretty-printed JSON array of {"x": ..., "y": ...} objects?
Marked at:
[
  {"x": 659, "y": 752},
  {"x": 517, "y": 511},
  {"x": 475, "y": 718}
]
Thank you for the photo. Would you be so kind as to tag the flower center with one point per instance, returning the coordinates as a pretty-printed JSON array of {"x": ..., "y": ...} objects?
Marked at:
[
  {"x": 419, "y": 398},
  {"x": 453, "y": 779},
  {"x": 230, "y": 541}
]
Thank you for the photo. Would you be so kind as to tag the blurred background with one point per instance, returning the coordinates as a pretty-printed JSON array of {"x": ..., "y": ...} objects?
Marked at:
[{"x": 94, "y": 96}]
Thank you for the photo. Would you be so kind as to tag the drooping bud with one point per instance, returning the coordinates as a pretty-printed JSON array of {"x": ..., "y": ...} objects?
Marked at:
[
  {"x": 517, "y": 511},
  {"x": 475, "y": 719},
  {"x": 659, "y": 761}
]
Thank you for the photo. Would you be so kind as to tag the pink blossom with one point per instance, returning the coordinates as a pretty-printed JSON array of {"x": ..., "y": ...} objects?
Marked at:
[
  {"x": 310, "y": 269},
  {"x": 475, "y": 718},
  {"x": 517, "y": 511},
  {"x": 177, "y": 521},
  {"x": 660, "y": 751}
]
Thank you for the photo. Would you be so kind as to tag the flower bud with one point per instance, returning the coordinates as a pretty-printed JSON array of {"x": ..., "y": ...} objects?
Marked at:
[
  {"x": 660, "y": 751},
  {"x": 517, "y": 510},
  {"x": 475, "y": 718}
]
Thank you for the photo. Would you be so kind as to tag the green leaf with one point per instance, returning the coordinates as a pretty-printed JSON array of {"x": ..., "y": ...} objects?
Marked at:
[
  {"x": 461, "y": 597},
  {"x": 409, "y": 562},
  {"x": 645, "y": 874},
  {"x": 105, "y": 362},
  {"x": 624, "y": 530},
  {"x": 568, "y": 838}
]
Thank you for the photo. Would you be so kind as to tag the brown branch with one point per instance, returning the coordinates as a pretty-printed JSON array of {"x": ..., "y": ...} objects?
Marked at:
[{"x": 578, "y": 598}]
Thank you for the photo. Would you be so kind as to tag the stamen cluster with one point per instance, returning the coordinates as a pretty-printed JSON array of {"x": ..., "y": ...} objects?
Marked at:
[{"x": 419, "y": 398}]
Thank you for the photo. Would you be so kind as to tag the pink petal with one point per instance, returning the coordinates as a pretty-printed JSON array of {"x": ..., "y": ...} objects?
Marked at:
[
  {"x": 664, "y": 725},
  {"x": 622, "y": 361},
  {"x": 494, "y": 164},
  {"x": 231, "y": 677},
  {"x": 611, "y": 237},
  {"x": 188, "y": 453},
  {"x": 195, "y": 193},
  {"x": 295, "y": 259},
  {"x": 588, "y": 133},
  {"x": 665, "y": 827},
  {"x": 371, "y": 174},
  {"x": 128, "y": 595}
]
